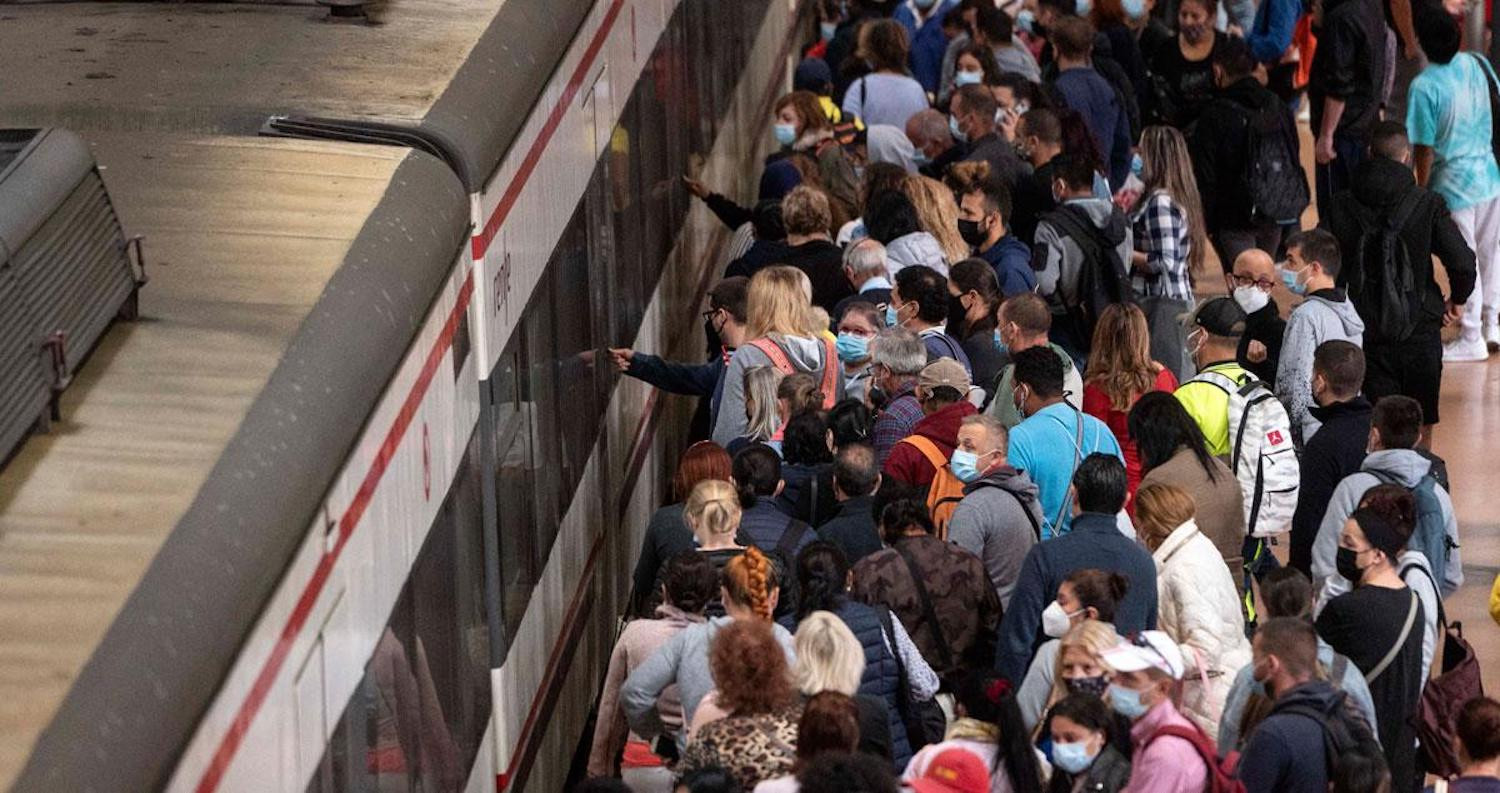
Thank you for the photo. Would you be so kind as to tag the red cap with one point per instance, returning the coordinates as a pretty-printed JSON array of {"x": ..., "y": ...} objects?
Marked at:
[{"x": 954, "y": 771}]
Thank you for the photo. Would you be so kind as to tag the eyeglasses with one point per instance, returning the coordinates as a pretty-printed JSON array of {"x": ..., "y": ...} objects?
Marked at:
[
  {"x": 1259, "y": 283},
  {"x": 708, "y": 315}
]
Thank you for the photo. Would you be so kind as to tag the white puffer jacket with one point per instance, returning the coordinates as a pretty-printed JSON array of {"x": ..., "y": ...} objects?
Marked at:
[{"x": 1200, "y": 609}]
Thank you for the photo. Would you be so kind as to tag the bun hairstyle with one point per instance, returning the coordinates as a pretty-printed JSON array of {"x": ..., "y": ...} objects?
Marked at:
[
  {"x": 749, "y": 580},
  {"x": 800, "y": 390},
  {"x": 822, "y": 574},
  {"x": 1098, "y": 588},
  {"x": 690, "y": 581},
  {"x": 713, "y": 508}
]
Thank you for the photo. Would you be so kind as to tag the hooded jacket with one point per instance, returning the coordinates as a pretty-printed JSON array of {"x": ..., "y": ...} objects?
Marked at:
[
  {"x": 912, "y": 249},
  {"x": 1334, "y": 453},
  {"x": 1287, "y": 752},
  {"x": 1002, "y": 405},
  {"x": 1200, "y": 610},
  {"x": 1325, "y": 315},
  {"x": 1058, "y": 259},
  {"x": 1220, "y": 151},
  {"x": 1379, "y": 185},
  {"x": 805, "y": 354},
  {"x": 906, "y": 462},
  {"x": 1011, "y": 260},
  {"x": 1404, "y": 467},
  {"x": 994, "y": 522}
]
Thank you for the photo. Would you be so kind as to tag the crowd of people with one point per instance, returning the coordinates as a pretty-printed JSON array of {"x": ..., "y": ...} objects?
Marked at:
[{"x": 995, "y": 491}]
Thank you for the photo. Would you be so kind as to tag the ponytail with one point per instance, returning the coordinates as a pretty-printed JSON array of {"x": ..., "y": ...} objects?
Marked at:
[
  {"x": 713, "y": 508},
  {"x": 749, "y": 580}
]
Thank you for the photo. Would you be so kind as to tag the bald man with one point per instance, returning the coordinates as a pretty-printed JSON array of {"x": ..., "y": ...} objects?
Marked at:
[
  {"x": 936, "y": 149},
  {"x": 1250, "y": 284}
]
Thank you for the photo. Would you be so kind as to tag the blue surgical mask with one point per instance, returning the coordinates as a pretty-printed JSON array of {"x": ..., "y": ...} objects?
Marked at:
[
  {"x": 1074, "y": 758},
  {"x": 919, "y": 158},
  {"x": 1135, "y": 9},
  {"x": 852, "y": 348},
  {"x": 785, "y": 133},
  {"x": 891, "y": 315},
  {"x": 1000, "y": 343},
  {"x": 963, "y": 78},
  {"x": 1026, "y": 20},
  {"x": 964, "y": 465},
  {"x": 1137, "y": 164},
  {"x": 827, "y": 29},
  {"x": 1290, "y": 280},
  {"x": 958, "y": 134},
  {"x": 1127, "y": 702},
  {"x": 1082, "y": 7}
]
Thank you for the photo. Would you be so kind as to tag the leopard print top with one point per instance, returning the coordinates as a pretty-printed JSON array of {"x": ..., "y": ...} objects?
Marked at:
[{"x": 752, "y": 748}]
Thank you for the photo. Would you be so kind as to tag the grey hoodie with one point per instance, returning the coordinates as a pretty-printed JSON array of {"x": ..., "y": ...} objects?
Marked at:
[
  {"x": 991, "y": 524},
  {"x": 805, "y": 355},
  {"x": 1325, "y": 315},
  {"x": 1407, "y": 468},
  {"x": 912, "y": 249},
  {"x": 1058, "y": 279}
]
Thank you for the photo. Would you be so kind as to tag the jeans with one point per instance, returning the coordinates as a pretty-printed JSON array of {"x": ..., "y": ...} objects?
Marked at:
[{"x": 1339, "y": 174}]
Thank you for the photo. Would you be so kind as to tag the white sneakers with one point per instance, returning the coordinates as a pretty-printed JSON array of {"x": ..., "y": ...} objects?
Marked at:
[
  {"x": 1492, "y": 335},
  {"x": 1463, "y": 350}
]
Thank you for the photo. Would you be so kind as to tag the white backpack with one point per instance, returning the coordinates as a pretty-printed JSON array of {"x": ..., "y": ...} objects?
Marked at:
[{"x": 1261, "y": 453}]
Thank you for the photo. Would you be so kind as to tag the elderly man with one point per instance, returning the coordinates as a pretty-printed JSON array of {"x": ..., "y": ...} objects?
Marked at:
[
  {"x": 935, "y": 150},
  {"x": 1251, "y": 282},
  {"x": 1000, "y": 517},
  {"x": 897, "y": 356}
]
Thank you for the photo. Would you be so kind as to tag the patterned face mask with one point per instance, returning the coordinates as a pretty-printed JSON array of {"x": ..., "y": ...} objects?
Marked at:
[{"x": 1087, "y": 685}]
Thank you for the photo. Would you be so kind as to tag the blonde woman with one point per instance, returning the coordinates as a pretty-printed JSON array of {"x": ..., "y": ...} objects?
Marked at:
[
  {"x": 1120, "y": 370},
  {"x": 938, "y": 214},
  {"x": 780, "y": 333},
  {"x": 762, "y": 409},
  {"x": 1200, "y": 608},
  {"x": 1171, "y": 242},
  {"x": 713, "y": 513}
]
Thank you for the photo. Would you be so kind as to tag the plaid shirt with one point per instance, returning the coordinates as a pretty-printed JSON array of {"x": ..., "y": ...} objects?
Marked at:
[
  {"x": 1161, "y": 232},
  {"x": 895, "y": 422}
]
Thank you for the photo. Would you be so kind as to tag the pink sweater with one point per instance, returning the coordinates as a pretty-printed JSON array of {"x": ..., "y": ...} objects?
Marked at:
[
  {"x": 639, "y": 640},
  {"x": 1170, "y": 764}
]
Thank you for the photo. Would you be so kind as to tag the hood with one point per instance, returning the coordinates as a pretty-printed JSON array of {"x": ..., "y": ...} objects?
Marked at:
[
  {"x": 942, "y": 427},
  {"x": 1336, "y": 303},
  {"x": 677, "y": 616},
  {"x": 1358, "y": 406},
  {"x": 915, "y": 248},
  {"x": 1319, "y": 695},
  {"x": 1379, "y": 182},
  {"x": 1248, "y": 93},
  {"x": 1066, "y": 359},
  {"x": 886, "y": 143},
  {"x": 805, "y": 354},
  {"x": 1017, "y": 483},
  {"x": 1405, "y": 466},
  {"x": 1010, "y": 242},
  {"x": 1103, "y": 215}
]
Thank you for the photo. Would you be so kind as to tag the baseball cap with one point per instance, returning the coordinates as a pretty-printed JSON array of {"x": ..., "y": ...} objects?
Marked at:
[
  {"x": 1220, "y": 316},
  {"x": 944, "y": 372},
  {"x": 954, "y": 771},
  {"x": 1148, "y": 650}
]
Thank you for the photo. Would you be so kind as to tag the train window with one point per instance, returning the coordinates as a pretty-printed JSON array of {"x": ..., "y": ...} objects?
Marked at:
[
  {"x": 543, "y": 401},
  {"x": 514, "y": 474},
  {"x": 574, "y": 332},
  {"x": 416, "y": 720}
]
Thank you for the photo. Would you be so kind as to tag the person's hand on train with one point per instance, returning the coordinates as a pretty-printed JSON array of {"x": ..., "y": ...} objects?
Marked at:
[
  {"x": 695, "y": 187},
  {"x": 622, "y": 357}
]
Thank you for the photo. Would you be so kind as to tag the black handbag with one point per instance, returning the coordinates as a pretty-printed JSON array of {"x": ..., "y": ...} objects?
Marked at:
[{"x": 924, "y": 720}]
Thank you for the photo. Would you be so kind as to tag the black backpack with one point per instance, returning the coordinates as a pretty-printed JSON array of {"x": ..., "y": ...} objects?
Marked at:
[
  {"x": 1101, "y": 277},
  {"x": 1344, "y": 729},
  {"x": 1381, "y": 279},
  {"x": 1273, "y": 172}
]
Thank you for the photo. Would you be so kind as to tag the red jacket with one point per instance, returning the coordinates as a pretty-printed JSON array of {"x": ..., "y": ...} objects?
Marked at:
[{"x": 906, "y": 462}]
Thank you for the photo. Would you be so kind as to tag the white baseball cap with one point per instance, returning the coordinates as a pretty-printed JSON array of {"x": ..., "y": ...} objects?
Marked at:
[{"x": 1148, "y": 650}]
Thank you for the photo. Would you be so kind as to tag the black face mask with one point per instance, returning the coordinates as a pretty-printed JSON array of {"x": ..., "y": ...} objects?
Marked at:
[
  {"x": 1346, "y": 561},
  {"x": 956, "y": 312},
  {"x": 970, "y": 231}
]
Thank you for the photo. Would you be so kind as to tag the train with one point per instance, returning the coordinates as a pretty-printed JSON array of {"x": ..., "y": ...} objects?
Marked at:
[{"x": 350, "y": 499}]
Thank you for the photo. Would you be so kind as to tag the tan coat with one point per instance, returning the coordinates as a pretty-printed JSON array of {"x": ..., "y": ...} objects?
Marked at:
[{"x": 1221, "y": 510}]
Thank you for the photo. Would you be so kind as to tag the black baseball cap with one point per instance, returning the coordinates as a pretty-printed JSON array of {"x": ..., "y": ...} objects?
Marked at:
[{"x": 1220, "y": 316}]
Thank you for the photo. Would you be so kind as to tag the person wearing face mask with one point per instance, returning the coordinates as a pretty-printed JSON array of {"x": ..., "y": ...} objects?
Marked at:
[
  {"x": 920, "y": 303},
  {"x": 1024, "y": 322},
  {"x": 1038, "y": 139},
  {"x": 973, "y": 112},
  {"x": 1339, "y": 447},
  {"x": 1311, "y": 269},
  {"x": 1250, "y": 284},
  {"x": 973, "y": 64},
  {"x": 897, "y": 357},
  {"x": 973, "y": 297},
  {"x": 1094, "y": 543},
  {"x": 1379, "y": 626},
  {"x": 1000, "y": 517},
  {"x": 915, "y": 460},
  {"x": 982, "y": 213},
  {"x": 858, "y": 324},
  {"x": 1082, "y": 757},
  {"x": 1080, "y": 625},
  {"x": 932, "y": 142},
  {"x": 1169, "y": 754},
  {"x": 1290, "y": 749},
  {"x": 1214, "y": 333},
  {"x": 800, "y": 126},
  {"x": 1200, "y": 607},
  {"x": 1183, "y": 70}
]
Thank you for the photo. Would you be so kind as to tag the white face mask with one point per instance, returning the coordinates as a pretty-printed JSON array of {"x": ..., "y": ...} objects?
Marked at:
[
  {"x": 1055, "y": 621},
  {"x": 1251, "y": 298}
]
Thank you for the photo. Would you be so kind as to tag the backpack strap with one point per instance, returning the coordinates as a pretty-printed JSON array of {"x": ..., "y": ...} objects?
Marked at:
[
  {"x": 773, "y": 351},
  {"x": 783, "y": 364},
  {"x": 945, "y": 651},
  {"x": 928, "y": 449},
  {"x": 1442, "y": 616},
  {"x": 1192, "y": 736},
  {"x": 830, "y": 371},
  {"x": 790, "y": 537},
  {"x": 1411, "y": 617}
]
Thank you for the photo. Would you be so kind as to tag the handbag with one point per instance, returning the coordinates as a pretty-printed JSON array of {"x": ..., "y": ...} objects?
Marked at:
[
  {"x": 1443, "y": 696},
  {"x": 924, "y": 721}
]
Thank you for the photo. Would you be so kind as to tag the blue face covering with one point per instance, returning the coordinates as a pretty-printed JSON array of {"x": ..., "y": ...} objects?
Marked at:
[
  {"x": 1135, "y": 9},
  {"x": 964, "y": 465},
  {"x": 1026, "y": 20},
  {"x": 852, "y": 348},
  {"x": 1290, "y": 281},
  {"x": 827, "y": 29},
  {"x": 958, "y": 134},
  {"x": 1072, "y": 757},
  {"x": 1000, "y": 343},
  {"x": 963, "y": 78},
  {"x": 919, "y": 158},
  {"x": 891, "y": 315},
  {"x": 1137, "y": 164},
  {"x": 785, "y": 133},
  {"x": 1082, "y": 7},
  {"x": 1127, "y": 702}
]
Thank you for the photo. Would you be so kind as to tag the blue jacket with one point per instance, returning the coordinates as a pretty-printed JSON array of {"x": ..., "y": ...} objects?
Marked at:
[
  {"x": 1271, "y": 33},
  {"x": 928, "y": 44},
  {"x": 700, "y": 379},
  {"x": 1086, "y": 91},
  {"x": 1096, "y": 542},
  {"x": 1011, "y": 259}
]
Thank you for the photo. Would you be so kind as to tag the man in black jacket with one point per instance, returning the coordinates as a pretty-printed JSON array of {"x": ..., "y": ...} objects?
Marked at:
[
  {"x": 973, "y": 108},
  {"x": 856, "y": 477},
  {"x": 1337, "y": 449},
  {"x": 1344, "y": 88},
  {"x": 1220, "y": 149},
  {"x": 1383, "y": 186}
]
